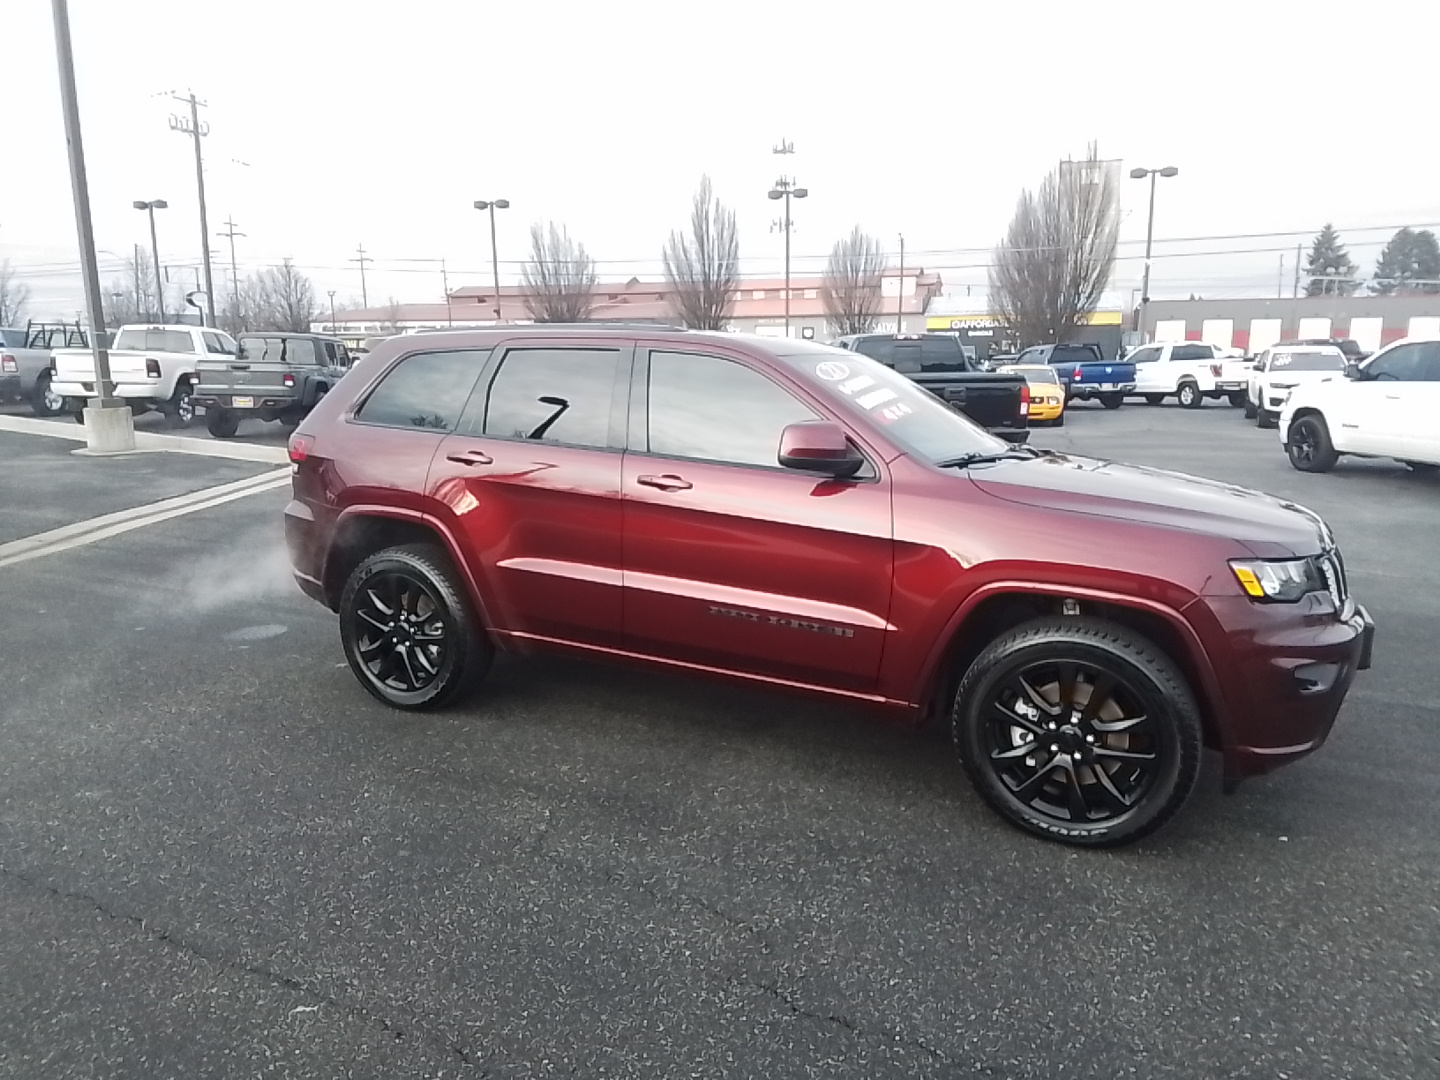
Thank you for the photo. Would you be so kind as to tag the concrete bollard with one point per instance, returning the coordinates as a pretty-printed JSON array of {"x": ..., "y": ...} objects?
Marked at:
[{"x": 109, "y": 430}]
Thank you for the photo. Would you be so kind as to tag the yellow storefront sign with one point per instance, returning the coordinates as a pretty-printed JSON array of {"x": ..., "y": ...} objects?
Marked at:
[{"x": 943, "y": 323}]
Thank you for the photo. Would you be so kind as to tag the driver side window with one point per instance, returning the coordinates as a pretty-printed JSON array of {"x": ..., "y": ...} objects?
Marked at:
[{"x": 1400, "y": 363}]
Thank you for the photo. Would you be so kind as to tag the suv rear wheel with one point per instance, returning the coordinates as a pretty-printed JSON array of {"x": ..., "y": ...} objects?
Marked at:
[
  {"x": 180, "y": 409},
  {"x": 408, "y": 630},
  {"x": 222, "y": 423},
  {"x": 1078, "y": 730},
  {"x": 44, "y": 401}
]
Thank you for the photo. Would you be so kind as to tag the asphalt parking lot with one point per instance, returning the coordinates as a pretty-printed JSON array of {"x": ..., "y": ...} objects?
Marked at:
[{"x": 220, "y": 857}]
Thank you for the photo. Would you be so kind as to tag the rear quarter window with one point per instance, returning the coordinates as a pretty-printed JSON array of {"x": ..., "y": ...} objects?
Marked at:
[{"x": 426, "y": 391}]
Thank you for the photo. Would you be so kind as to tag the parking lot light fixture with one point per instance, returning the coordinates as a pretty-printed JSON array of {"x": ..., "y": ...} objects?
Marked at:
[
  {"x": 786, "y": 189},
  {"x": 492, "y": 205},
  {"x": 150, "y": 208},
  {"x": 1140, "y": 174}
]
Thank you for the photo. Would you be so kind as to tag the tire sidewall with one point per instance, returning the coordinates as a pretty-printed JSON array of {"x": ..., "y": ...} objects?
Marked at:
[
  {"x": 1189, "y": 395},
  {"x": 1178, "y": 727}
]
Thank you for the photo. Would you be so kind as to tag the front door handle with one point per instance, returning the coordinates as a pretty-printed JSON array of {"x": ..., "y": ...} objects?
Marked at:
[
  {"x": 667, "y": 482},
  {"x": 470, "y": 457}
]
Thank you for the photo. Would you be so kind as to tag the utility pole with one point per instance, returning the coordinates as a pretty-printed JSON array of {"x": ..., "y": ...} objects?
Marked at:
[
  {"x": 108, "y": 424},
  {"x": 230, "y": 233},
  {"x": 1295, "y": 295},
  {"x": 900, "y": 291},
  {"x": 445, "y": 284},
  {"x": 1280, "y": 279},
  {"x": 192, "y": 126},
  {"x": 362, "y": 260},
  {"x": 332, "y": 312}
]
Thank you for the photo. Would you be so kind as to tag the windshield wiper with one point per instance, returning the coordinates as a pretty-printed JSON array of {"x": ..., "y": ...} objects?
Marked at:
[{"x": 1014, "y": 453}]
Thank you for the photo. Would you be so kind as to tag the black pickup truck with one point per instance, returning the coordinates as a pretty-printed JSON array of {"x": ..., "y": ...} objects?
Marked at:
[
  {"x": 999, "y": 403},
  {"x": 274, "y": 376}
]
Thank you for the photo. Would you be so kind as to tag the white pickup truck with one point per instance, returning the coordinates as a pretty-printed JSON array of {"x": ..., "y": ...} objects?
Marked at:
[
  {"x": 1384, "y": 407},
  {"x": 1190, "y": 371},
  {"x": 153, "y": 367}
]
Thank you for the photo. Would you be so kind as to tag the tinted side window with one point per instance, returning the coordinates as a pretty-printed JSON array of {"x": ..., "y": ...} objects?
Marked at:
[
  {"x": 717, "y": 410},
  {"x": 1428, "y": 369},
  {"x": 556, "y": 395},
  {"x": 1190, "y": 353},
  {"x": 941, "y": 354},
  {"x": 1147, "y": 355},
  {"x": 426, "y": 390},
  {"x": 905, "y": 357},
  {"x": 1399, "y": 363},
  {"x": 877, "y": 348}
]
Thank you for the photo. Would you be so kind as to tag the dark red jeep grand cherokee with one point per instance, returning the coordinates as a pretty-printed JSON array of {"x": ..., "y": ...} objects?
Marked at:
[{"x": 802, "y": 517}]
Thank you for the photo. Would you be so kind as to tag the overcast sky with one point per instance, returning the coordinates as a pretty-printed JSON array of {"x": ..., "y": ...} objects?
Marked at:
[{"x": 380, "y": 123}]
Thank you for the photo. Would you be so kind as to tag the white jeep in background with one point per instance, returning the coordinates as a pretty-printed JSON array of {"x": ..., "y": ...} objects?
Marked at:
[
  {"x": 1280, "y": 369},
  {"x": 1384, "y": 407},
  {"x": 1189, "y": 371},
  {"x": 153, "y": 367}
]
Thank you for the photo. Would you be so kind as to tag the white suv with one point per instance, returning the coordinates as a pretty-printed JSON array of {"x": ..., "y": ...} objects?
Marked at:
[
  {"x": 1385, "y": 407},
  {"x": 1191, "y": 371},
  {"x": 1280, "y": 369}
]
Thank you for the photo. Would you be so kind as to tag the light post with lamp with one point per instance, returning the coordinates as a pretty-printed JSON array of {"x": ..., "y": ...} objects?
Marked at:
[
  {"x": 1141, "y": 174},
  {"x": 492, "y": 205}
]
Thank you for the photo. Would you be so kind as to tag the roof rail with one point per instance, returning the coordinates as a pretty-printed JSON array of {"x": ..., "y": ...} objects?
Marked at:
[{"x": 587, "y": 326}]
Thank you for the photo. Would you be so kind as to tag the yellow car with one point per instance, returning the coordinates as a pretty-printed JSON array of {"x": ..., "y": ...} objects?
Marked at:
[{"x": 1047, "y": 396}]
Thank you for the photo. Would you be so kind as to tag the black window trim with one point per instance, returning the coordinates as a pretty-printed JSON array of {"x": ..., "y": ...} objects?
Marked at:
[
  {"x": 637, "y": 438},
  {"x": 472, "y": 418},
  {"x": 352, "y": 413}
]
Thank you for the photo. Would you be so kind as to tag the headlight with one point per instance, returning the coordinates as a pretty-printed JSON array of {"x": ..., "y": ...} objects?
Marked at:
[{"x": 1279, "y": 581}]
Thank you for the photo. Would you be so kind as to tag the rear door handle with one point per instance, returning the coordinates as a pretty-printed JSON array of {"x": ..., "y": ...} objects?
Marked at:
[
  {"x": 470, "y": 457},
  {"x": 667, "y": 482}
]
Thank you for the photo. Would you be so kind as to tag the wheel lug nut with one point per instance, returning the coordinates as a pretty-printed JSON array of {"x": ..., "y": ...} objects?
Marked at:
[
  {"x": 1090, "y": 738},
  {"x": 1052, "y": 725},
  {"x": 1054, "y": 748},
  {"x": 1077, "y": 755}
]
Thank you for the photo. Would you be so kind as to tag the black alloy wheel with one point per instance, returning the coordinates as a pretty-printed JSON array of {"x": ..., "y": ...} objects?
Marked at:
[
  {"x": 1078, "y": 730},
  {"x": 1308, "y": 445},
  {"x": 1266, "y": 419},
  {"x": 407, "y": 629}
]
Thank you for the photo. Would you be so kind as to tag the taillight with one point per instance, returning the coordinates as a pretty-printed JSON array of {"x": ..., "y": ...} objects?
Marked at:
[
  {"x": 1077, "y": 375},
  {"x": 1216, "y": 370},
  {"x": 1025, "y": 400},
  {"x": 152, "y": 367},
  {"x": 299, "y": 447},
  {"x": 288, "y": 379},
  {"x": 9, "y": 363}
]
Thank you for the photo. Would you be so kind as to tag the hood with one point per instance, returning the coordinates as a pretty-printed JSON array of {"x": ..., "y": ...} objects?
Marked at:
[{"x": 1270, "y": 527}]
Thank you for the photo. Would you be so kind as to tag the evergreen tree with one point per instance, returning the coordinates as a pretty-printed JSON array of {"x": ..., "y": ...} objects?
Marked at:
[
  {"x": 1409, "y": 256},
  {"x": 1329, "y": 268}
]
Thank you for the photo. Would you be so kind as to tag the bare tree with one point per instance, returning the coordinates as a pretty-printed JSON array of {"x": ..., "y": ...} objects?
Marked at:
[
  {"x": 245, "y": 306},
  {"x": 14, "y": 297},
  {"x": 391, "y": 323},
  {"x": 130, "y": 298},
  {"x": 559, "y": 277},
  {"x": 287, "y": 299},
  {"x": 1058, "y": 253},
  {"x": 703, "y": 269},
  {"x": 851, "y": 292}
]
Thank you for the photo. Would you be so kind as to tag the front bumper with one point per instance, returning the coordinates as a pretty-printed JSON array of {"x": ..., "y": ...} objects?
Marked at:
[
  {"x": 1044, "y": 412},
  {"x": 1286, "y": 676}
]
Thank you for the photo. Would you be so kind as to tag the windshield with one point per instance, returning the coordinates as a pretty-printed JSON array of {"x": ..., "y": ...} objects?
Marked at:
[
  {"x": 153, "y": 339},
  {"x": 913, "y": 418},
  {"x": 1307, "y": 360},
  {"x": 1034, "y": 373}
]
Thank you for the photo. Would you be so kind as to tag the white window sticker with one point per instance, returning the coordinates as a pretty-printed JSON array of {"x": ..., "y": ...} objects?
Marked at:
[
  {"x": 1281, "y": 360},
  {"x": 858, "y": 383},
  {"x": 895, "y": 412},
  {"x": 832, "y": 370},
  {"x": 875, "y": 397}
]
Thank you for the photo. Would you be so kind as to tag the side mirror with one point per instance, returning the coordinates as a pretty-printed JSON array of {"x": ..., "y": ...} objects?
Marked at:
[
  {"x": 818, "y": 446},
  {"x": 1352, "y": 371}
]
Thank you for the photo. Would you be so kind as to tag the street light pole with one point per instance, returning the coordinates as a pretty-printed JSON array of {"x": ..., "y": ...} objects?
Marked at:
[
  {"x": 1141, "y": 174},
  {"x": 492, "y": 205},
  {"x": 785, "y": 189},
  {"x": 332, "y": 311},
  {"x": 150, "y": 208},
  {"x": 900, "y": 291}
]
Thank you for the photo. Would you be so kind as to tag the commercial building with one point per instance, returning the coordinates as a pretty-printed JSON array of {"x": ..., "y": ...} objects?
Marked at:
[
  {"x": 1253, "y": 325},
  {"x": 759, "y": 307},
  {"x": 973, "y": 320}
]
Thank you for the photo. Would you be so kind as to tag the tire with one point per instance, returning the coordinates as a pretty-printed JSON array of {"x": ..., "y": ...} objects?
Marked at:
[
  {"x": 1251, "y": 412},
  {"x": 1059, "y": 421},
  {"x": 1264, "y": 418},
  {"x": 438, "y": 629},
  {"x": 1308, "y": 445},
  {"x": 222, "y": 423},
  {"x": 1238, "y": 398},
  {"x": 1189, "y": 395},
  {"x": 1112, "y": 401},
  {"x": 44, "y": 401},
  {"x": 1154, "y": 399},
  {"x": 180, "y": 409},
  {"x": 1423, "y": 468},
  {"x": 1144, "y": 738}
]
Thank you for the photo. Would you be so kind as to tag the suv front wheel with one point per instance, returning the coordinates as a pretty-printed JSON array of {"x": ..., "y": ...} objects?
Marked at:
[
  {"x": 408, "y": 630},
  {"x": 1078, "y": 730}
]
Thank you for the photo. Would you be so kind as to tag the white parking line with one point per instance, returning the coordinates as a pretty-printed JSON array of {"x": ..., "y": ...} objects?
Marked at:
[
  {"x": 150, "y": 440},
  {"x": 136, "y": 517}
]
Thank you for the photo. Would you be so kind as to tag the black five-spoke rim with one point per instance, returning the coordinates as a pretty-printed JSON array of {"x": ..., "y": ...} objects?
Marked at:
[
  {"x": 401, "y": 635},
  {"x": 1302, "y": 443},
  {"x": 1072, "y": 741}
]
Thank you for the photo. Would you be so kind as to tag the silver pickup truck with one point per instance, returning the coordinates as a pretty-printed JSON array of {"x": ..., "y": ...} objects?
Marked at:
[{"x": 25, "y": 370}]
